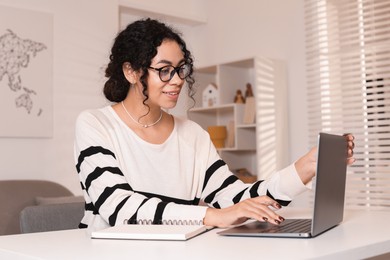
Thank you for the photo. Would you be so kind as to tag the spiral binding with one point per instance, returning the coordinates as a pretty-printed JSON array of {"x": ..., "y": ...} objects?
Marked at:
[{"x": 164, "y": 222}]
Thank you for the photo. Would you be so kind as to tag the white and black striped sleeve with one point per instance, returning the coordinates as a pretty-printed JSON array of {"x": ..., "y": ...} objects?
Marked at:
[{"x": 221, "y": 188}]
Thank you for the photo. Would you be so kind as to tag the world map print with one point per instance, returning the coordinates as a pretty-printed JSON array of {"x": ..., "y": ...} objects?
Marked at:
[{"x": 15, "y": 55}]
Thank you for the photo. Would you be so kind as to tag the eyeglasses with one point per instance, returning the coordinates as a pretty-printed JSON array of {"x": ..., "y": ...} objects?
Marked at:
[{"x": 166, "y": 73}]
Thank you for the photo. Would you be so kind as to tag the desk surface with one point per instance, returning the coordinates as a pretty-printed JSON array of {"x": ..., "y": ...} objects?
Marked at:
[{"x": 362, "y": 234}]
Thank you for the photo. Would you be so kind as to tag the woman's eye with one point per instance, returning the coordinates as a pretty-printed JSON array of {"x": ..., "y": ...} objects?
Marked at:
[{"x": 165, "y": 71}]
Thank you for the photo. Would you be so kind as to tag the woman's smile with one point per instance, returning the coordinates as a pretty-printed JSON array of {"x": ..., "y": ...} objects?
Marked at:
[{"x": 172, "y": 94}]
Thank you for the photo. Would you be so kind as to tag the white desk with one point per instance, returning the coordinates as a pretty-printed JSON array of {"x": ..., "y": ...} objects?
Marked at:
[{"x": 362, "y": 234}]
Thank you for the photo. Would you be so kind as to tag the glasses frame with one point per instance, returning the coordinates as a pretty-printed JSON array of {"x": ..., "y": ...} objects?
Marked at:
[{"x": 173, "y": 72}]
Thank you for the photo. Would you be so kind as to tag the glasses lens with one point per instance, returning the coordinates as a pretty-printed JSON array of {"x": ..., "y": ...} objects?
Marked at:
[
  {"x": 166, "y": 73},
  {"x": 184, "y": 71}
]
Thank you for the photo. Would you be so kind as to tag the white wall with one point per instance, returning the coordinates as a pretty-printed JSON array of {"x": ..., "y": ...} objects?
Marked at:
[{"x": 83, "y": 33}]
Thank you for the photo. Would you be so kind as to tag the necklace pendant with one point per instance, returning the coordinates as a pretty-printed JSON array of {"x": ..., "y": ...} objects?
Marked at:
[{"x": 146, "y": 126}]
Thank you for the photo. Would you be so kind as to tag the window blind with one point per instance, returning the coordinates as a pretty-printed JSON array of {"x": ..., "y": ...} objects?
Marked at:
[{"x": 348, "y": 79}]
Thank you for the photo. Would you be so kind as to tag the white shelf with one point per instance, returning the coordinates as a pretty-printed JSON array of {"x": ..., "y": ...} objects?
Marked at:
[
  {"x": 214, "y": 108},
  {"x": 246, "y": 126},
  {"x": 257, "y": 146}
]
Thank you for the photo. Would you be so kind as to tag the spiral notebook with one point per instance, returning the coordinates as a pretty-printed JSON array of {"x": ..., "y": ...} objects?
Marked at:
[{"x": 165, "y": 231}]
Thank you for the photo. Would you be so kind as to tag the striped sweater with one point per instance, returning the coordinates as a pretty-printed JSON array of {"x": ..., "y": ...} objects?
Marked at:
[{"x": 126, "y": 179}]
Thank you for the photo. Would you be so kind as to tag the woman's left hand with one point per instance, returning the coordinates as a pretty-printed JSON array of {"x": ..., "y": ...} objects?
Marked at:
[{"x": 306, "y": 165}]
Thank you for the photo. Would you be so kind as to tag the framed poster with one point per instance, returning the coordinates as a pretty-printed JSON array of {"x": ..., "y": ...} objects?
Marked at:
[{"x": 26, "y": 73}]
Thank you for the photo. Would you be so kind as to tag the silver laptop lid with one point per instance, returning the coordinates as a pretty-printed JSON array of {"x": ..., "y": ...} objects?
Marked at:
[{"x": 330, "y": 182}]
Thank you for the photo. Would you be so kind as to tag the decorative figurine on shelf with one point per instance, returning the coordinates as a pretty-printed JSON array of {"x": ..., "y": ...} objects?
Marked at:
[
  {"x": 210, "y": 95},
  {"x": 250, "y": 106},
  {"x": 248, "y": 91},
  {"x": 239, "y": 98}
]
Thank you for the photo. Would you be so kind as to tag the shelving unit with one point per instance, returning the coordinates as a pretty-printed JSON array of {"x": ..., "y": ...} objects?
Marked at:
[{"x": 258, "y": 146}]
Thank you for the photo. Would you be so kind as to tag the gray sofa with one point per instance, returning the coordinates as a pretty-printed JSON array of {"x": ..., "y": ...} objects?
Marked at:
[{"x": 37, "y": 205}]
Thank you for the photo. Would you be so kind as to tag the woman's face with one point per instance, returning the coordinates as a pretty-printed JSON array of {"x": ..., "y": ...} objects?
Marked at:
[{"x": 165, "y": 94}]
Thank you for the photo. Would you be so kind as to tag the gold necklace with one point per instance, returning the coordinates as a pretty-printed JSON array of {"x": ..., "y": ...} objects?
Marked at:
[{"x": 145, "y": 126}]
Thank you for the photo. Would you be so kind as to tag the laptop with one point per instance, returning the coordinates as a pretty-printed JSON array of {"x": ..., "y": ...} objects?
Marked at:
[{"x": 328, "y": 197}]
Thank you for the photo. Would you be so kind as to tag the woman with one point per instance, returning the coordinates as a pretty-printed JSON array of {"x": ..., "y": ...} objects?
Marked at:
[{"x": 137, "y": 162}]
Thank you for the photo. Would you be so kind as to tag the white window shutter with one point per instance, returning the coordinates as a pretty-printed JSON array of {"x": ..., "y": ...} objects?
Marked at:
[{"x": 348, "y": 70}]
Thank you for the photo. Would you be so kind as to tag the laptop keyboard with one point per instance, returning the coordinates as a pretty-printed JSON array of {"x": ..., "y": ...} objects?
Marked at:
[{"x": 291, "y": 226}]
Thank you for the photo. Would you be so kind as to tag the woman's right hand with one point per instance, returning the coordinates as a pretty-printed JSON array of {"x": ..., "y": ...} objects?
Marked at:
[{"x": 255, "y": 208}]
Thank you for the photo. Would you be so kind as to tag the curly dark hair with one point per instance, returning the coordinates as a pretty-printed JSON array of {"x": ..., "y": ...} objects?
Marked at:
[{"x": 137, "y": 44}]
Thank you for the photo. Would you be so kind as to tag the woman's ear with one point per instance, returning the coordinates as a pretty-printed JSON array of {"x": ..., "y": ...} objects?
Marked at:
[{"x": 129, "y": 73}]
